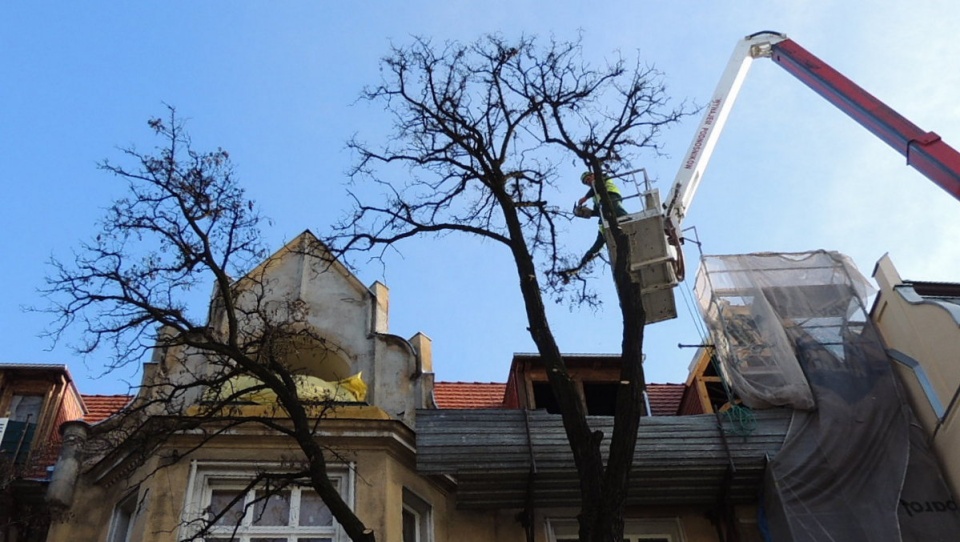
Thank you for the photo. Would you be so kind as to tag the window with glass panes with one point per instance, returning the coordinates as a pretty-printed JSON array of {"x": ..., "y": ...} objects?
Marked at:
[
  {"x": 291, "y": 514},
  {"x": 417, "y": 518},
  {"x": 121, "y": 525}
]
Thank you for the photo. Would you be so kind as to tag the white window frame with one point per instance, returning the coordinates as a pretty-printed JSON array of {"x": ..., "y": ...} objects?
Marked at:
[
  {"x": 422, "y": 512},
  {"x": 634, "y": 530},
  {"x": 124, "y": 517},
  {"x": 208, "y": 475}
]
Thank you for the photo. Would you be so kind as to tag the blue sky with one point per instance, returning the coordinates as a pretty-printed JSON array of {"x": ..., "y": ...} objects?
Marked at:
[{"x": 276, "y": 84}]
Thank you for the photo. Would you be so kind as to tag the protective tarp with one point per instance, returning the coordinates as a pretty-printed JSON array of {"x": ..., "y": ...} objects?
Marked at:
[
  {"x": 793, "y": 329},
  {"x": 928, "y": 512},
  {"x": 759, "y": 307}
]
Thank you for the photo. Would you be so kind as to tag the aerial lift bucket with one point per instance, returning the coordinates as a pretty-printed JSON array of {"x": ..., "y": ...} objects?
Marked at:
[{"x": 653, "y": 259}]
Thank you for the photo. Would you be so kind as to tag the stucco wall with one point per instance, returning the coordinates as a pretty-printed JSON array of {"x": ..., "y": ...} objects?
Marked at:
[
  {"x": 341, "y": 325},
  {"x": 159, "y": 497},
  {"x": 929, "y": 334}
]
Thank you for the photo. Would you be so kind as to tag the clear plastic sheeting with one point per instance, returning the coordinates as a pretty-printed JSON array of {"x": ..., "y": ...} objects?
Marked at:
[
  {"x": 763, "y": 308},
  {"x": 793, "y": 329}
]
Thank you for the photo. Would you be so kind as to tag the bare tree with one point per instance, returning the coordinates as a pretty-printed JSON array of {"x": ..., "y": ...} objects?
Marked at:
[
  {"x": 479, "y": 130},
  {"x": 183, "y": 224}
]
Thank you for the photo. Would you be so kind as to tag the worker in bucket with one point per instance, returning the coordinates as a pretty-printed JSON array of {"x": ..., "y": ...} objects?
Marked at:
[{"x": 583, "y": 211}]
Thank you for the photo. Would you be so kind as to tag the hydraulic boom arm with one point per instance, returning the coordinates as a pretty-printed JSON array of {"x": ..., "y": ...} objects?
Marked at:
[
  {"x": 925, "y": 151},
  {"x": 656, "y": 260}
]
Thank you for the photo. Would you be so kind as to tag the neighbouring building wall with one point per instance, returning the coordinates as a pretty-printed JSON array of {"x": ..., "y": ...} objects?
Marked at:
[
  {"x": 923, "y": 335},
  {"x": 35, "y": 399}
]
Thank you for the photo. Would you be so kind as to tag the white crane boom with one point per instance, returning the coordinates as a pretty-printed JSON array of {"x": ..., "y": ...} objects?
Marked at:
[
  {"x": 695, "y": 161},
  {"x": 656, "y": 260}
]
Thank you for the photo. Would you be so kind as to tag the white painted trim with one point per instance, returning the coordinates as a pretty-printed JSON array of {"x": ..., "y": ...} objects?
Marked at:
[{"x": 912, "y": 297}]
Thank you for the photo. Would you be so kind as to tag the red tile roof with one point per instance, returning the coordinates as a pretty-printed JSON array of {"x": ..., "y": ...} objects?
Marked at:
[
  {"x": 665, "y": 398},
  {"x": 469, "y": 394},
  {"x": 101, "y": 407}
]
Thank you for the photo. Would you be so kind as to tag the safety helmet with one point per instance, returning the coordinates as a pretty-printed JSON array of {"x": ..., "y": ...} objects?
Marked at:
[{"x": 584, "y": 175}]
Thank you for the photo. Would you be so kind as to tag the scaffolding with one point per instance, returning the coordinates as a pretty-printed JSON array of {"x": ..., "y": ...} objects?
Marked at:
[
  {"x": 765, "y": 310},
  {"x": 793, "y": 330}
]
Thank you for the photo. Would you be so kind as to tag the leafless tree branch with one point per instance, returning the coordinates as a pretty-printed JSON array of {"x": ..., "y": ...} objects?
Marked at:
[
  {"x": 186, "y": 223},
  {"x": 479, "y": 131}
]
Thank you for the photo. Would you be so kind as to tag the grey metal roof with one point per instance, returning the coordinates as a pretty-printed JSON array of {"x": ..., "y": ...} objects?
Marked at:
[{"x": 678, "y": 459}]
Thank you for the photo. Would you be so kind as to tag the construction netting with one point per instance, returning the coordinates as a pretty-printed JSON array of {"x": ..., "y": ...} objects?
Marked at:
[
  {"x": 793, "y": 330},
  {"x": 763, "y": 308}
]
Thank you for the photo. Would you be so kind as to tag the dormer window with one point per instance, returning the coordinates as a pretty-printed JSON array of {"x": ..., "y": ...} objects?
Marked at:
[
  {"x": 18, "y": 431},
  {"x": 543, "y": 398},
  {"x": 596, "y": 380},
  {"x": 599, "y": 398},
  {"x": 26, "y": 408}
]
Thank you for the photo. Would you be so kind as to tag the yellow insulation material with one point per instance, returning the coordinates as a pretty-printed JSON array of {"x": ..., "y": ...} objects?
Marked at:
[{"x": 309, "y": 389}]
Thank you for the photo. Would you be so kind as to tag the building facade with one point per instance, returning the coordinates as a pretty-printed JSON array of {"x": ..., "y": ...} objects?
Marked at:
[{"x": 425, "y": 461}]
